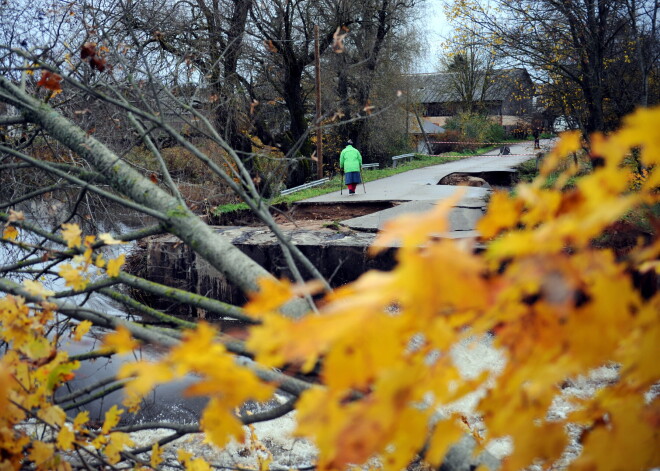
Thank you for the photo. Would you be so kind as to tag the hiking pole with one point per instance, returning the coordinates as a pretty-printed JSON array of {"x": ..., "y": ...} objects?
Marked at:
[
  {"x": 362, "y": 179},
  {"x": 341, "y": 183}
]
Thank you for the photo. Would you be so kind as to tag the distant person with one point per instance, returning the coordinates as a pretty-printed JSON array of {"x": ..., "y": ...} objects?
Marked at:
[
  {"x": 350, "y": 162},
  {"x": 536, "y": 133}
]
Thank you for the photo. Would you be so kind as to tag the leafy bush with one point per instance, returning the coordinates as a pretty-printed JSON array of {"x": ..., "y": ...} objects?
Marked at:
[{"x": 474, "y": 128}]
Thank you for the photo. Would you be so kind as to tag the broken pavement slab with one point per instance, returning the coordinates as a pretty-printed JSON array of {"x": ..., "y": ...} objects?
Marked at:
[{"x": 462, "y": 218}]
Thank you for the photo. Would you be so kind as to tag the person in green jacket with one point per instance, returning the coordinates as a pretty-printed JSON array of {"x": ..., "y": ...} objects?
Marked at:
[{"x": 350, "y": 162}]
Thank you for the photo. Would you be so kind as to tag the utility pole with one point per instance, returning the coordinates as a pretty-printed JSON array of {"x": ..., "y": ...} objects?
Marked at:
[{"x": 319, "y": 133}]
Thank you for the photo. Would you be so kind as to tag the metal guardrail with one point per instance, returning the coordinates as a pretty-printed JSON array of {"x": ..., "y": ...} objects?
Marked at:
[
  {"x": 303, "y": 186},
  {"x": 396, "y": 158},
  {"x": 374, "y": 165}
]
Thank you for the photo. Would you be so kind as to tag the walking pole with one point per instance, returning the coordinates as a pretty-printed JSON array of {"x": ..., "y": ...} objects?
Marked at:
[
  {"x": 341, "y": 183},
  {"x": 363, "y": 187}
]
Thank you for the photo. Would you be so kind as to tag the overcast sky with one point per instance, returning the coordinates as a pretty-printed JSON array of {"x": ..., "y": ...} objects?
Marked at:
[{"x": 435, "y": 26}]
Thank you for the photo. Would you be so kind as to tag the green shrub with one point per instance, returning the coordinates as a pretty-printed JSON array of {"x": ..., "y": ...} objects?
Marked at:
[{"x": 474, "y": 128}]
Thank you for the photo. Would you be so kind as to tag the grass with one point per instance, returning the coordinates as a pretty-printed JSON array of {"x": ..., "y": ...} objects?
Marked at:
[{"x": 335, "y": 182}]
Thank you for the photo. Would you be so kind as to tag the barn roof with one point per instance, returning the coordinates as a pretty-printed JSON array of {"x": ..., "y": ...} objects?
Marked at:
[{"x": 437, "y": 87}]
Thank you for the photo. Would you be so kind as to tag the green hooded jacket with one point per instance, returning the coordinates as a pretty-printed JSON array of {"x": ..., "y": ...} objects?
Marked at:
[{"x": 350, "y": 159}]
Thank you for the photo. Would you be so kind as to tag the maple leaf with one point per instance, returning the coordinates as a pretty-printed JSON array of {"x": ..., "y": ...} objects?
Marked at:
[
  {"x": 10, "y": 233},
  {"x": 81, "y": 329},
  {"x": 72, "y": 235},
  {"x": 73, "y": 277},
  {"x": 61, "y": 372},
  {"x": 53, "y": 415},
  {"x": 445, "y": 434},
  {"x": 146, "y": 376},
  {"x": 271, "y": 296},
  {"x": 99, "y": 261},
  {"x": 503, "y": 213},
  {"x": 198, "y": 464},
  {"x": 120, "y": 340},
  {"x": 41, "y": 452},
  {"x": 81, "y": 419},
  {"x": 114, "y": 265},
  {"x": 50, "y": 81},
  {"x": 156, "y": 456},
  {"x": 37, "y": 289},
  {"x": 112, "y": 417},
  {"x": 37, "y": 348},
  {"x": 117, "y": 442},
  {"x": 65, "y": 438},
  {"x": 220, "y": 424}
]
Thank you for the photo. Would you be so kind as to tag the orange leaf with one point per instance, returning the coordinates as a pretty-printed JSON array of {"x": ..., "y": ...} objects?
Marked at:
[{"x": 50, "y": 81}]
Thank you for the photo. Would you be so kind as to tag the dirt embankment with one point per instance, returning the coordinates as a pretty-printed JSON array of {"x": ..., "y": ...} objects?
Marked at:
[{"x": 303, "y": 216}]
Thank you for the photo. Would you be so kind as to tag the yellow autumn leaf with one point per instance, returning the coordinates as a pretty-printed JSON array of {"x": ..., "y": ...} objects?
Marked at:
[
  {"x": 100, "y": 441},
  {"x": 65, "y": 438},
  {"x": 81, "y": 419},
  {"x": 41, "y": 452},
  {"x": 183, "y": 456},
  {"x": 73, "y": 277},
  {"x": 53, "y": 415},
  {"x": 156, "y": 456},
  {"x": 109, "y": 240},
  {"x": 117, "y": 442},
  {"x": 271, "y": 296},
  {"x": 220, "y": 424},
  {"x": 37, "y": 348},
  {"x": 112, "y": 417},
  {"x": 198, "y": 464},
  {"x": 445, "y": 433},
  {"x": 145, "y": 376},
  {"x": 81, "y": 329},
  {"x": 37, "y": 289},
  {"x": 281, "y": 340},
  {"x": 72, "y": 234},
  {"x": 99, "y": 261},
  {"x": 115, "y": 265},
  {"x": 120, "y": 340},
  {"x": 569, "y": 142},
  {"x": 503, "y": 213},
  {"x": 10, "y": 233}
]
